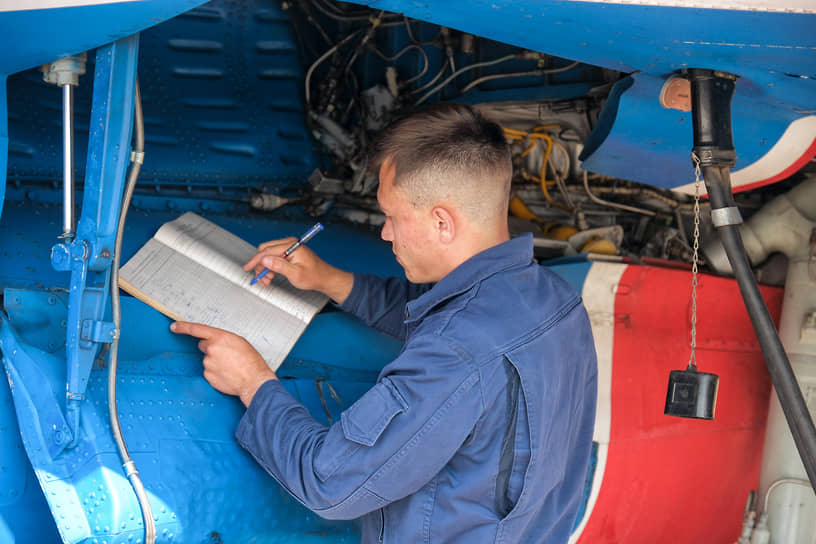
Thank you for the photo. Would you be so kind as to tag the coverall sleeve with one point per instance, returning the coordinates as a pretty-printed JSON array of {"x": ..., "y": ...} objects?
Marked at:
[
  {"x": 380, "y": 302},
  {"x": 387, "y": 445}
]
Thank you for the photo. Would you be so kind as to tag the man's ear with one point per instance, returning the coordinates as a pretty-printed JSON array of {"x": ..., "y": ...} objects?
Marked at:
[{"x": 444, "y": 224}]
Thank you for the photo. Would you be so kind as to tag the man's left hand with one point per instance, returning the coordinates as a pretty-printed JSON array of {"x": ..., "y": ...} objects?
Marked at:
[{"x": 231, "y": 364}]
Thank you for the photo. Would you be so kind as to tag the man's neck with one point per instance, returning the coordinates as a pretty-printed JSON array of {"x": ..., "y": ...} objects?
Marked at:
[{"x": 475, "y": 243}]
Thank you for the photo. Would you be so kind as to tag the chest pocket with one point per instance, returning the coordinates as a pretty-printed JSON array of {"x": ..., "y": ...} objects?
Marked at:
[{"x": 362, "y": 424}]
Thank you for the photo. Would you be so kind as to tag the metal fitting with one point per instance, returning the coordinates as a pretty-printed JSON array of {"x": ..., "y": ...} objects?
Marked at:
[
  {"x": 722, "y": 217},
  {"x": 64, "y": 71}
]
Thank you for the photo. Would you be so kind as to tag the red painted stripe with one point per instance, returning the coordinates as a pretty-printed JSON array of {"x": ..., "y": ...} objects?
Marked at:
[
  {"x": 670, "y": 479},
  {"x": 789, "y": 171}
]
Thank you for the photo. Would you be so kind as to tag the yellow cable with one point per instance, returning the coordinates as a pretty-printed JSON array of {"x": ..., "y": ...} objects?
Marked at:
[
  {"x": 542, "y": 180},
  {"x": 520, "y": 209}
]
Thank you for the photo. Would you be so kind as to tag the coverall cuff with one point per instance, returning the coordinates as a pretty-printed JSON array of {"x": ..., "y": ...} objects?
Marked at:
[
  {"x": 356, "y": 296},
  {"x": 263, "y": 395}
]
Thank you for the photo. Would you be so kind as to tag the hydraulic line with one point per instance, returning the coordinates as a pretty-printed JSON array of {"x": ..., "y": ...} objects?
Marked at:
[
  {"x": 137, "y": 156},
  {"x": 542, "y": 72},
  {"x": 796, "y": 412},
  {"x": 323, "y": 57},
  {"x": 407, "y": 48},
  {"x": 462, "y": 70},
  {"x": 433, "y": 80},
  {"x": 602, "y": 202}
]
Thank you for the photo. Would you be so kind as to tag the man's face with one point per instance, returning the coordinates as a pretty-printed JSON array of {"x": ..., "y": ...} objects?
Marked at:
[{"x": 409, "y": 230}]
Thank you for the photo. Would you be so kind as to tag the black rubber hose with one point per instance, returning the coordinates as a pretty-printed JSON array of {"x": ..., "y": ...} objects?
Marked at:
[{"x": 718, "y": 184}]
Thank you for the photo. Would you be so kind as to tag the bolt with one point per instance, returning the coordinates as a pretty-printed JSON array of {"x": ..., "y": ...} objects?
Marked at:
[
  {"x": 51, "y": 300},
  {"x": 105, "y": 254}
]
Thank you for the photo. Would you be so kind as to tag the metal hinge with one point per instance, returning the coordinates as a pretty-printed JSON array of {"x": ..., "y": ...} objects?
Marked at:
[{"x": 98, "y": 331}]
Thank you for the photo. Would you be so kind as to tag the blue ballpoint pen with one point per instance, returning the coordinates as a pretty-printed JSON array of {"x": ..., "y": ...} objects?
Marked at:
[{"x": 308, "y": 235}]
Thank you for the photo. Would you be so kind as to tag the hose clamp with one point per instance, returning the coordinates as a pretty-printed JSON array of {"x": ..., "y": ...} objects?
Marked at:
[
  {"x": 722, "y": 217},
  {"x": 137, "y": 156},
  {"x": 130, "y": 468}
]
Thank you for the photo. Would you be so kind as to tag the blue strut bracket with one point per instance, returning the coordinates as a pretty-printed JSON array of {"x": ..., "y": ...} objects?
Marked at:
[
  {"x": 89, "y": 255},
  {"x": 31, "y": 378}
]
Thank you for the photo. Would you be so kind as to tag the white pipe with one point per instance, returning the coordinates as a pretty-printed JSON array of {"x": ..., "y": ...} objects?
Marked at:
[{"x": 783, "y": 225}]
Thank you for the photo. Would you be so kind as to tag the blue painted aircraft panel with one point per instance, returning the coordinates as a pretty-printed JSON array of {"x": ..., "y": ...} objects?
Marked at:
[
  {"x": 178, "y": 428},
  {"x": 44, "y": 35},
  {"x": 222, "y": 91},
  {"x": 650, "y": 144},
  {"x": 771, "y": 49}
]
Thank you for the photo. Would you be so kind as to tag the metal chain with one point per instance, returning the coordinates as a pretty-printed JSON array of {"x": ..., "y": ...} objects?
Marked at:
[{"x": 694, "y": 259}]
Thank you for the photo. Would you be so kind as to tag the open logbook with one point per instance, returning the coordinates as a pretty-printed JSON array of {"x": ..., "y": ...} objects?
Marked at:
[{"x": 191, "y": 270}]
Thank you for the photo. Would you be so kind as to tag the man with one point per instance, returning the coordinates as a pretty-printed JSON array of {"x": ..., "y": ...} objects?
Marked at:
[{"x": 481, "y": 429}]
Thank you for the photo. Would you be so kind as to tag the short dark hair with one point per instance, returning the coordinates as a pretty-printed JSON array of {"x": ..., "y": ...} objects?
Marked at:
[{"x": 448, "y": 152}]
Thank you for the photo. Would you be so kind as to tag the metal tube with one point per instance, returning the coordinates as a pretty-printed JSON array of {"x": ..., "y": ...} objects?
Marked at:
[
  {"x": 68, "y": 221},
  {"x": 116, "y": 313}
]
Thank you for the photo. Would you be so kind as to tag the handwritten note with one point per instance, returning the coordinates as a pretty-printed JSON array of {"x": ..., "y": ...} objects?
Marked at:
[{"x": 191, "y": 270}]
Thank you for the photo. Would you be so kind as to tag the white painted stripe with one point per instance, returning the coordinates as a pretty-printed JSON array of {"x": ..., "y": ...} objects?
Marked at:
[
  {"x": 793, "y": 143},
  {"x": 786, "y": 6},
  {"x": 16, "y": 5},
  {"x": 599, "y": 291}
]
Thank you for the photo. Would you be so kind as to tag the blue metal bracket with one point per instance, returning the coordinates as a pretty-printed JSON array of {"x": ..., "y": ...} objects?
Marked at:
[
  {"x": 30, "y": 376},
  {"x": 89, "y": 255}
]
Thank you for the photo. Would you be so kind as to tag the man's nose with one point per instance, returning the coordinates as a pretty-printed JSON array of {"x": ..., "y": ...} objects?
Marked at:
[{"x": 386, "y": 233}]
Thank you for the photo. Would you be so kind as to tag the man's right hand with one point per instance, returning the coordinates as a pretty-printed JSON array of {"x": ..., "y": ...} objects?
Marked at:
[{"x": 303, "y": 268}]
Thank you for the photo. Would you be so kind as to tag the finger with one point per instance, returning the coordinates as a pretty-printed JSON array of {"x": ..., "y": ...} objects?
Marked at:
[
  {"x": 273, "y": 250},
  {"x": 260, "y": 268},
  {"x": 209, "y": 377},
  {"x": 194, "y": 329},
  {"x": 279, "y": 265},
  {"x": 253, "y": 262},
  {"x": 202, "y": 346}
]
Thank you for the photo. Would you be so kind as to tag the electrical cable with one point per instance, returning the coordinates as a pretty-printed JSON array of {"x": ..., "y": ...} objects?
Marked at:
[
  {"x": 398, "y": 55},
  {"x": 462, "y": 70},
  {"x": 597, "y": 200},
  {"x": 323, "y": 57},
  {"x": 718, "y": 184},
  {"x": 137, "y": 156},
  {"x": 559, "y": 182},
  {"x": 315, "y": 23},
  {"x": 376, "y": 21},
  {"x": 411, "y": 34},
  {"x": 433, "y": 80},
  {"x": 565, "y": 173},
  {"x": 491, "y": 77},
  {"x": 645, "y": 192},
  {"x": 330, "y": 11},
  {"x": 515, "y": 134}
]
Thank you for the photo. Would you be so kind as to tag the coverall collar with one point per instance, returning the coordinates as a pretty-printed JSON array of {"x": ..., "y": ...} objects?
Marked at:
[{"x": 517, "y": 251}]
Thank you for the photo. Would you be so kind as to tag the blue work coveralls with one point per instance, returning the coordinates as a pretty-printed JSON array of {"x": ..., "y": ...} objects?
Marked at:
[{"x": 479, "y": 431}]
